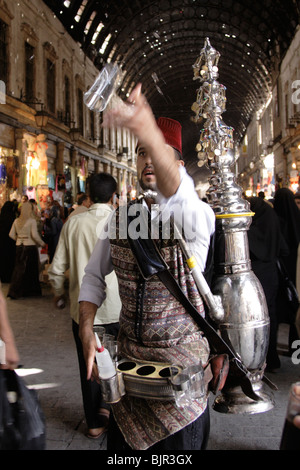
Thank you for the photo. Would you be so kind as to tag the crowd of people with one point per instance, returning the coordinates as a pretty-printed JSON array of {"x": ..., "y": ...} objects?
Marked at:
[
  {"x": 109, "y": 287},
  {"x": 24, "y": 231},
  {"x": 25, "y": 224}
]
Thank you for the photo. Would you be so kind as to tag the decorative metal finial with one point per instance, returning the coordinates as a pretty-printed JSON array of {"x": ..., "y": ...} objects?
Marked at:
[
  {"x": 210, "y": 105},
  {"x": 215, "y": 147}
]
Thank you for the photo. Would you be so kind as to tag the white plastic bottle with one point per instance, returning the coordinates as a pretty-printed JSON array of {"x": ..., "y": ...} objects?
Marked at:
[{"x": 105, "y": 364}]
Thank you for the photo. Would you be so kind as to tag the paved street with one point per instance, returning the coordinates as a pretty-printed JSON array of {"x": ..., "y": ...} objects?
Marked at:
[{"x": 49, "y": 364}]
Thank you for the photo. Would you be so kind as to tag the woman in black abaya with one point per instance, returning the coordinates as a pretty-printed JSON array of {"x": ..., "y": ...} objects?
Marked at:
[
  {"x": 289, "y": 218},
  {"x": 7, "y": 245},
  {"x": 265, "y": 245}
]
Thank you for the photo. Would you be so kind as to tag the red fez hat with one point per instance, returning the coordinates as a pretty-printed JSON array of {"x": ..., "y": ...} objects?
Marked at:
[{"x": 171, "y": 130}]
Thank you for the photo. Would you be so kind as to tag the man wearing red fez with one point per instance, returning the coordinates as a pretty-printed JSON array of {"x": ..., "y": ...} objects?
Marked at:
[{"x": 154, "y": 327}]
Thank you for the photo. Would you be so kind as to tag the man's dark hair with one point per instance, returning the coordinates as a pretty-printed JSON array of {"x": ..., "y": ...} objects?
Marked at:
[
  {"x": 81, "y": 199},
  {"x": 101, "y": 187},
  {"x": 178, "y": 155},
  {"x": 80, "y": 193}
]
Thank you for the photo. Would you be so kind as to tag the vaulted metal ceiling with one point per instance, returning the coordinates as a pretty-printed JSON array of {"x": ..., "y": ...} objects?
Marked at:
[{"x": 157, "y": 43}]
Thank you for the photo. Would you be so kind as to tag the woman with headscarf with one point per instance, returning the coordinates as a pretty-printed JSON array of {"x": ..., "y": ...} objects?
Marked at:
[
  {"x": 25, "y": 279},
  {"x": 7, "y": 245},
  {"x": 289, "y": 218},
  {"x": 266, "y": 245}
]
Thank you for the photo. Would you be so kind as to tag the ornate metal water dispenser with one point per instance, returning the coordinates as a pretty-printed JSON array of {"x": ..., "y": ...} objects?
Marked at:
[{"x": 245, "y": 323}]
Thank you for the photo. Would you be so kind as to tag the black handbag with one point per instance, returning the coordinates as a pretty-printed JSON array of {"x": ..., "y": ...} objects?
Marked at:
[
  {"x": 288, "y": 299},
  {"x": 22, "y": 424}
]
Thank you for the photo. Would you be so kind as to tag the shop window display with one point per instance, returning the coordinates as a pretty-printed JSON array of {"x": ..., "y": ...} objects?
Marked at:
[
  {"x": 37, "y": 180},
  {"x": 82, "y": 175},
  {"x": 35, "y": 174}
]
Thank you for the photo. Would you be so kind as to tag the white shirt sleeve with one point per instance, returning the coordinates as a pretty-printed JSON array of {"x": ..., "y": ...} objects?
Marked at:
[
  {"x": 194, "y": 218},
  {"x": 60, "y": 264},
  {"x": 100, "y": 265}
]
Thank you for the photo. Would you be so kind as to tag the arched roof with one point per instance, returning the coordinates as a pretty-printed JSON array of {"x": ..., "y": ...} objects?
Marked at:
[{"x": 157, "y": 43}]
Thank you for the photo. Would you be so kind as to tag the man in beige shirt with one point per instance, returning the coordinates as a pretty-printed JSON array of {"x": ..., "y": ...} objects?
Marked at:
[{"x": 77, "y": 240}]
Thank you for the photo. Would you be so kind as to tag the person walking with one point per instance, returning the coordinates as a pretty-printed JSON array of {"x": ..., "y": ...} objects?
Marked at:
[
  {"x": 9, "y": 354},
  {"x": 25, "y": 278},
  {"x": 289, "y": 218},
  {"x": 55, "y": 226},
  {"x": 154, "y": 327},
  {"x": 266, "y": 246},
  {"x": 76, "y": 243},
  {"x": 7, "y": 245}
]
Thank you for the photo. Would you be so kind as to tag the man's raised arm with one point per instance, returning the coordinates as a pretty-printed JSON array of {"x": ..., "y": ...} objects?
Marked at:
[{"x": 136, "y": 115}]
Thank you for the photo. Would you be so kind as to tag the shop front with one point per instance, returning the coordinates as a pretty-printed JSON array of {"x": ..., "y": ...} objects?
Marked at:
[
  {"x": 260, "y": 177},
  {"x": 267, "y": 175},
  {"x": 49, "y": 170},
  {"x": 9, "y": 166},
  {"x": 35, "y": 169},
  {"x": 53, "y": 172}
]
